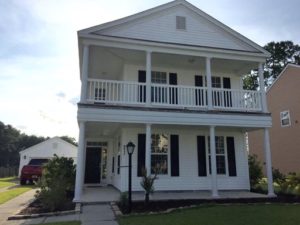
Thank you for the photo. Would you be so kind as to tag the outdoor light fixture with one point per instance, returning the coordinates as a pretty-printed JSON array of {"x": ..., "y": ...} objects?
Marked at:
[{"x": 130, "y": 149}]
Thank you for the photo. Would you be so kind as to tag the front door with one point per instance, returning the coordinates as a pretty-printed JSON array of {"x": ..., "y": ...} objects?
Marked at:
[{"x": 93, "y": 165}]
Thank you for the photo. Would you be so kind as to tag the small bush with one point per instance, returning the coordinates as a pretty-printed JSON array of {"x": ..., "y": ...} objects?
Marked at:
[
  {"x": 278, "y": 177},
  {"x": 57, "y": 183},
  {"x": 147, "y": 184},
  {"x": 123, "y": 201},
  {"x": 291, "y": 185},
  {"x": 255, "y": 170}
]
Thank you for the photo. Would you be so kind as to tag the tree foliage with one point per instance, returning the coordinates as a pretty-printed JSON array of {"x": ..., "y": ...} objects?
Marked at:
[
  {"x": 71, "y": 140},
  {"x": 282, "y": 53},
  {"x": 255, "y": 170},
  {"x": 12, "y": 141}
]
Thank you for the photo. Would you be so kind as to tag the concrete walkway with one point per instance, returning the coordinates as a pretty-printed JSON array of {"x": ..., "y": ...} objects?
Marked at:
[
  {"x": 13, "y": 206},
  {"x": 91, "y": 215}
]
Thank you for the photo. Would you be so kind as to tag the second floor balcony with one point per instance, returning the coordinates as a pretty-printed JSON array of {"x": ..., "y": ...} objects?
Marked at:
[{"x": 129, "y": 93}]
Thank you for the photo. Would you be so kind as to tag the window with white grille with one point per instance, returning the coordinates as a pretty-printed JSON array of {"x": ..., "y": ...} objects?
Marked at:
[
  {"x": 180, "y": 23},
  {"x": 285, "y": 118}
]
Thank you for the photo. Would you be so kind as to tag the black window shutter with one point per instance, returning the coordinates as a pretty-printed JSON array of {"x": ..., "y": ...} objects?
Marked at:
[
  {"x": 227, "y": 94},
  {"x": 174, "y": 155},
  {"x": 198, "y": 81},
  {"x": 142, "y": 90},
  {"x": 113, "y": 165},
  {"x": 201, "y": 156},
  {"x": 199, "y": 93},
  {"x": 231, "y": 156},
  {"x": 141, "y": 154},
  {"x": 173, "y": 91},
  {"x": 119, "y": 164},
  {"x": 226, "y": 83}
]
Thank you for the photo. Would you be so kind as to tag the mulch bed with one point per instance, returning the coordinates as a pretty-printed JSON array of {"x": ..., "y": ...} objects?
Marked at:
[
  {"x": 164, "y": 205},
  {"x": 36, "y": 207}
]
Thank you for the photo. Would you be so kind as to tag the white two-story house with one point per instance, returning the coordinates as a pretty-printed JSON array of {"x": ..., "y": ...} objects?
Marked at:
[{"x": 168, "y": 79}]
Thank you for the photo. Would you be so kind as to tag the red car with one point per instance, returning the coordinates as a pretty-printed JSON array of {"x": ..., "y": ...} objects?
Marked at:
[{"x": 32, "y": 171}]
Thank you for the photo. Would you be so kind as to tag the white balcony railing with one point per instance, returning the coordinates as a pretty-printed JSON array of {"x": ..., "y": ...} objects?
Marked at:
[{"x": 175, "y": 96}]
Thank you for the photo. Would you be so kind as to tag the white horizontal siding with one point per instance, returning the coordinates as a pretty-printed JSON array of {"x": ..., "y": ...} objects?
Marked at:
[
  {"x": 184, "y": 76},
  {"x": 162, "y": 27},
  {"x": 188, "y": 179}
]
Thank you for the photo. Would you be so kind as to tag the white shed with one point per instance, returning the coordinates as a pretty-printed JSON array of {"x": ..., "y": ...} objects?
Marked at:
[{"x": 46, "y": 150}]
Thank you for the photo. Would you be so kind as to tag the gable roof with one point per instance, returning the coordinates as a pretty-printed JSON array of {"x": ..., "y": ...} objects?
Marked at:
[
  {"x": 96, "y": 30},
  {"x": 282, "y": 74},
  {"x": 48, "y": 140}
]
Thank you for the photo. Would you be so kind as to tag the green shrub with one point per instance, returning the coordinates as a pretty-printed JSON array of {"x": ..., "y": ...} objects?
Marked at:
[
  {"x": 57, "y": 183},
  {"x": 123, "y": 201},
  {"x": 278, "y": 177},
  {"x": 147, "y": 184},
  {"x": 291, "y": 185},
  {"x": 255, "y": 170}
]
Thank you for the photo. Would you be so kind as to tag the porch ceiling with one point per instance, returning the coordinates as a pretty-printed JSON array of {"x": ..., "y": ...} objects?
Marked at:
[
  {"x": 111, "y": 60},
  {"x": 109, "y": 130}
]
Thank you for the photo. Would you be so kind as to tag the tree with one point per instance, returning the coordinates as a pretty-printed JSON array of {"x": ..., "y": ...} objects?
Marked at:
[{"x": 282, "y": 53}]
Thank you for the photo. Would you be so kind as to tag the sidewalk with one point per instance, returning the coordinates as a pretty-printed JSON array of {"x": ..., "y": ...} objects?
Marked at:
[
  {"x": 13, "y": 205},
  {"x": 91, "y": 215}
]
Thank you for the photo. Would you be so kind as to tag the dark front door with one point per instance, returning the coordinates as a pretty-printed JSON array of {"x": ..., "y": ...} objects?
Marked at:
[{"x": 92, "y": 165}]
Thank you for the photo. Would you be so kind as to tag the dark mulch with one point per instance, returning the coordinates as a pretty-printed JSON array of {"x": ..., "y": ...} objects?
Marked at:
[
  {"x": 36, "y": 207},
  {"x": 163, "y": 205}
]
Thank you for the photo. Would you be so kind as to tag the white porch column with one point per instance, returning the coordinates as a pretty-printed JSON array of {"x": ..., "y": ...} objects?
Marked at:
[
  {"x": 208, "y": 81},
  {"x": 80, "y": 163},
  {"x": 212, "y": 142},
  {"x": 148, "y": 78},
  {"x": 148, "y": 149},
  {"x": 262, "y": 88},
  {"x": 84, "y": 73},
  {"x": 268, "y": 160}
]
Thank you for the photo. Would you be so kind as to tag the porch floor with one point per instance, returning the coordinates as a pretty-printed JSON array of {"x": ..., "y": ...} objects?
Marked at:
[{"x": 104, "y": 194}]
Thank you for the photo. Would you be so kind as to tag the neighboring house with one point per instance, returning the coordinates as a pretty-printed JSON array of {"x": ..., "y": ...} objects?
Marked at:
[
  {"x": 284, "y": 104},
  {"x": 46, "y": 150},
  {"x": 169, "y": 79}
]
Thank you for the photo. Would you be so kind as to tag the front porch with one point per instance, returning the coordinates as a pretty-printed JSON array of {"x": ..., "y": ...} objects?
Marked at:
[{"x": 110, "y": 194}]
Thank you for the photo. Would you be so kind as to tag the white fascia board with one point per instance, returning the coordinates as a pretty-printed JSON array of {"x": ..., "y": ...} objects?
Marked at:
[
  {"x": 140, "y": 45},
  {"x": 173, "y": 118}
]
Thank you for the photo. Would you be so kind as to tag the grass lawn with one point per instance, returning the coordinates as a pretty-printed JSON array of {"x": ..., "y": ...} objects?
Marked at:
[
  {"x": 258, "y": 214},
  {"x": 7, "y": 182},
  {"x": 10, "y": 194},
  {"x": 64, "y": 223}
]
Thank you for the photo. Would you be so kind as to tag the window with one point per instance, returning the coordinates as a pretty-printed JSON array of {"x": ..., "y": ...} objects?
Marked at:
[
  {"x": 100, "y": 94},
  {"x": 113, "y": 165},
  {"x": 180, "y": 23},
  {"x": 159, "y": 153},
  {"x": 159, "y": 93},
  {"x": 220, "y": 155},
  {"x": 285, "y": 118},
  {"x": 118, "y": 164},
  {"x": 216, "y": 82},
  {"x": 158, "y": 77}
]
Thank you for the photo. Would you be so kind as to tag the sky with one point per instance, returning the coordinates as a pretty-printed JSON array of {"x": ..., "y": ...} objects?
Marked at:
[{"x": 39, "y": 70}]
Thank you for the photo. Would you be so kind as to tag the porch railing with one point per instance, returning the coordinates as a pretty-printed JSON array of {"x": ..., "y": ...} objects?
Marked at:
[{"x": 175, "y": 96}]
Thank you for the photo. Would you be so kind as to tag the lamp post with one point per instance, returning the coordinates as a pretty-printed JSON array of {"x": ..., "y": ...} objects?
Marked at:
[{"x": 130, "y": 149}]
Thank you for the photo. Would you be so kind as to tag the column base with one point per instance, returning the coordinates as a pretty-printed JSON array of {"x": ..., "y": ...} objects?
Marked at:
[
  {"x": 215, "y": 195},
  {"x": 272, "y": 195}
]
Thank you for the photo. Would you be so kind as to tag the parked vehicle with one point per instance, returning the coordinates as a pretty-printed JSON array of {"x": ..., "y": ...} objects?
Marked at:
[{"x": 32, "y": 171}]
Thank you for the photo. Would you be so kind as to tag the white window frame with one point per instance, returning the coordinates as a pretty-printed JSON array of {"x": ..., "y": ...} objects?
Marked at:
[
  {"x": 281, "y": 118},
  {"x": 207, "y": 143},
  {"x": 168, "y": 154}
]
